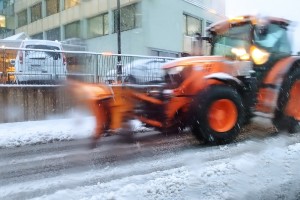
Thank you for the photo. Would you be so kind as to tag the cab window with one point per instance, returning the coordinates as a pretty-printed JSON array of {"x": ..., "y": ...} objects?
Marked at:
[
  {"x": 235, "y": 37},
  {"x": 274, "y": 38}
]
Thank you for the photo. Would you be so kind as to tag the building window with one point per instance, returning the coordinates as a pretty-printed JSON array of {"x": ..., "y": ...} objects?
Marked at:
[
  {"x": 38, "y": 36},
  {"x": 53, "y": 34},
  {"x": 98, "y": 26},
  {"x": 129, "y": 16},
  {"x": 22, "y": 18},
  {"x": 72, "y": 30},
  {"x": 36, "y": 12},
  {"x": 2, "y": 21},
  {"x": 52, "y": 7},
  {"x": 6, "y": 3},
  {"x": 192, "y": 25},
  {"x": 71, "y": 3},
  {"x": 160, "y": 53}
]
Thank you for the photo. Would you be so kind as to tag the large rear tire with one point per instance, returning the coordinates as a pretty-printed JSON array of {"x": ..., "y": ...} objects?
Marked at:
[
  {"x": 290, "y": 90},
  {"x": 218, "y": 115}
]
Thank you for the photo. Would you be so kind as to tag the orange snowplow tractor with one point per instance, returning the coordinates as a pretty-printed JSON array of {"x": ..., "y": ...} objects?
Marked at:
[
  {"x": 101, "y": 113},
  {"x": 293, "y": 105},
  {"x": 222, "y": 115}
]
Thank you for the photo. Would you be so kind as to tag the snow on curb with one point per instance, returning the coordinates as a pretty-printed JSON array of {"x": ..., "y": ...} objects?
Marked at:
[{"x": 35, "y": 132}]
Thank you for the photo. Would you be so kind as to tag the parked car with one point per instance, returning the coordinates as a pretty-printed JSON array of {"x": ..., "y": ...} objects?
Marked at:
[
  {"x": 40, "y": 63},
  {"x": 139, "y": 71}
]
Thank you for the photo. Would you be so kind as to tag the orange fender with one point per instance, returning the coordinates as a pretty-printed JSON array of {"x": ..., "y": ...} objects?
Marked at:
[{"x": 268, "y": 96}]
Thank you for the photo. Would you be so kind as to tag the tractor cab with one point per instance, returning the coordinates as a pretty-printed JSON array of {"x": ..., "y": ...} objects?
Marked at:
[{"x": 264, "y": 41}]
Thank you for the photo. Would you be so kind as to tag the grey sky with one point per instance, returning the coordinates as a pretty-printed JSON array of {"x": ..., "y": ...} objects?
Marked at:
[{"x": 288, "y": 9}]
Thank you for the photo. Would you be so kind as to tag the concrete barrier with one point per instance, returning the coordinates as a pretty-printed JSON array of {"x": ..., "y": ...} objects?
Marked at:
[{"x": 29, "y": 103}]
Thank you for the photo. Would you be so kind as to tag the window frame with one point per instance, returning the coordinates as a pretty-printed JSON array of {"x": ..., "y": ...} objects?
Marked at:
[
  {"x": 47, "y": 33},
  {"x": 186, "y": 24},
  {"x": 37, "y": 17},
  {"x": 78, "y": 29},
  {"x": 24, "y": 18},
  {"x": 104, "y": 25},
  {"x": 57, "y": 7},
  {"x": 35, "y": 36},
  {"x": 136, "y": 20},
  {"x": 68, "y": 4}
]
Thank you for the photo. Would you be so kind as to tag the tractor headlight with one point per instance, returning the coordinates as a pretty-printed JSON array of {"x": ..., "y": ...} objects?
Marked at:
[
  {"x": 175, "y": 70},
  {"x": 240, "y": 53},
  {"x": 259, "y": 56}
]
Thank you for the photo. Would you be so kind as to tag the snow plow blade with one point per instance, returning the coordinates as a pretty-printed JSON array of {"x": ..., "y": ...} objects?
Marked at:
[
  {"x": 95, "y": 97},
  {"x": 111, "y": 106}
]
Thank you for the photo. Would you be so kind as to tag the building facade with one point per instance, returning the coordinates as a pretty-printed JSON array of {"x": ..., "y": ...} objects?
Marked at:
[
  {"x": 7, "y": 16},
  {"x": 148, "y": 27}
]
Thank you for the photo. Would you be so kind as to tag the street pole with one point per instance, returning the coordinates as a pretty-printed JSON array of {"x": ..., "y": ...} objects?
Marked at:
[{"x": 119, "y": 65}]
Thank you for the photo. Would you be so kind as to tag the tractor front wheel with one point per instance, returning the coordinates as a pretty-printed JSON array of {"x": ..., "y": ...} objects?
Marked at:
[{"x": 218, "y": 114}]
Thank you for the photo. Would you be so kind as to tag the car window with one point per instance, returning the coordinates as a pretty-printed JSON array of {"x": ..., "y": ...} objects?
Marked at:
[
  {"x": 35, "y": 46},
  {"x": 46, "y": 47}
]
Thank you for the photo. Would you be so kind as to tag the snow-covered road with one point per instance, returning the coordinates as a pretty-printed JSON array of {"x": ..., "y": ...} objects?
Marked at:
[{"x": 264, "y": 167}]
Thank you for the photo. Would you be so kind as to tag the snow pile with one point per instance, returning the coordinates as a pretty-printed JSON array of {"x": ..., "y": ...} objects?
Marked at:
[
  {"x": 24, "y": 133},
  {"x": 35, "y": 132}
]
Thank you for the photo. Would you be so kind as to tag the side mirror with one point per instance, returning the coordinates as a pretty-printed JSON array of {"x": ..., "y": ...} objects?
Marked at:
[{"x": 13, "y": 62}]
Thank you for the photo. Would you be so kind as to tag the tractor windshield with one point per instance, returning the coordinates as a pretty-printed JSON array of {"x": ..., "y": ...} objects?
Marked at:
[
  {"x": 274, "y": 40},
  {"x": 237, "y": 37}
]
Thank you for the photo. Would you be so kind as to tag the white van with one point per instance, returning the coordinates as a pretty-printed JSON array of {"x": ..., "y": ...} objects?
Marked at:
[{"x": 40, "y": 63}]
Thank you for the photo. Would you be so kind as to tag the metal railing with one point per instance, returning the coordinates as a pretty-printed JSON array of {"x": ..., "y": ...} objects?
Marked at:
[{"x": 21, "y": 66}]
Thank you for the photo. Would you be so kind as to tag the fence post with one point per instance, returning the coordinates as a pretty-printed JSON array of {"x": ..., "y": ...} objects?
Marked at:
[
  {"x": 119, "y": 70},
  {"x": 3, "y": 66},
  {"x": 119, "y": 64},
  {"x": 96, "y": 77}
]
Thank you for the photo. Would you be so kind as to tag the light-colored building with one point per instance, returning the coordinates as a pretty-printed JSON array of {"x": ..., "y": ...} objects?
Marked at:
[{"x": 148, "y": 27}]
